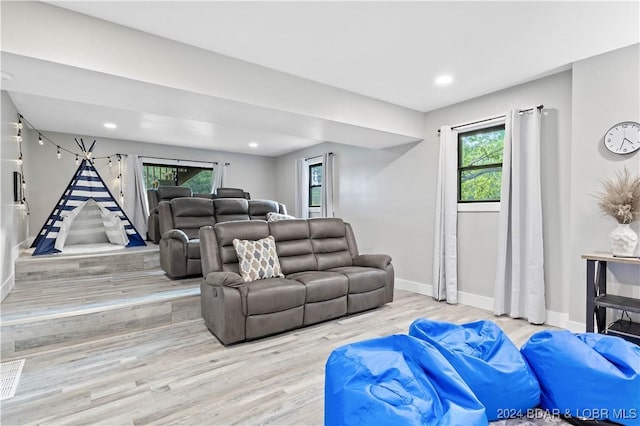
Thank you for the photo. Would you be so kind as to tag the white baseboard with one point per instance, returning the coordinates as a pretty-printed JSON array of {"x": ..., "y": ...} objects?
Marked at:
[
  {"x": 10, "y": 282},
  {"x": 477, "y": 301},
  {"x": 7, "y": 286},
  {"x": 414, "y": 286},
  {"x": 556, "y": 319},
  {"x": 576, "y": 327}
]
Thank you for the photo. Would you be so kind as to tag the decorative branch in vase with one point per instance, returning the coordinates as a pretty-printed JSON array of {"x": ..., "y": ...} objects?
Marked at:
[{"x": 620, "y": 199}]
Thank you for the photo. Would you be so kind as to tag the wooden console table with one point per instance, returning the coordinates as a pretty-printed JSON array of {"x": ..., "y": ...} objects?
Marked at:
[{"x": 597, "y": 298}]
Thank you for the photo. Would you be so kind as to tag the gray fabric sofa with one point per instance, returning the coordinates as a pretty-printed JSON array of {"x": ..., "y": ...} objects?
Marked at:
[
  {"x": 168, "y": 193},
  {"x": 155, "y": 196},
  {"x": 231, "y": 193},
  {"x": 324, "y": 278},
  {"x": 180, "y": 219}
]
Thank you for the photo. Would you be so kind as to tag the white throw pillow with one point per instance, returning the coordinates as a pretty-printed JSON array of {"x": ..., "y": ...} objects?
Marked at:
[{"x": 272, "y": 217}]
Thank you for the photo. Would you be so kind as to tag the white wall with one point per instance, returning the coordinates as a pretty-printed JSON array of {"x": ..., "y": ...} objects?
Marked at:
[
  {"x": 13, "y": 222},
  {"x": 388, "y": 195},
  {"x": 606, "y": 90},
  {"x": 477, "y": 230},
  {"x": 380, "y": 192},
  {"x": 48, "y": 176}
]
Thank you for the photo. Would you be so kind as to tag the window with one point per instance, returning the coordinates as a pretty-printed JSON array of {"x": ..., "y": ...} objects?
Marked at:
[
  {"x": 315, "y": 185},
  {"x": 197, "y": 178},
  {"x": 480, "y": 164}
]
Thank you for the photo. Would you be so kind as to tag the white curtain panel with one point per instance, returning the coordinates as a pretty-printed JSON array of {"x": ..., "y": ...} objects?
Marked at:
[
  {"x": 135, "y": 194},
  {"x": 519, "y": 287},
  {"x": 326, "y": 203},
  {"x": 216, "y": 179},
  {"x": 445, "y": 244},
  {"x": 302, "y": 189},
  {"x": 223, "y": 181}
]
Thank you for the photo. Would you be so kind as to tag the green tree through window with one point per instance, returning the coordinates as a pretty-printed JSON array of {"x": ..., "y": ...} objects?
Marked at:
[
  {"x": 480, "y": 164},
  {"x": 315, "y": 185},
  {"x": 197, "y": 178}
]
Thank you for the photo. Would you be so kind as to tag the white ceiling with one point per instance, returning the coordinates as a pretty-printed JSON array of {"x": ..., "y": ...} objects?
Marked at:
[{"x": 391, "y": 51}]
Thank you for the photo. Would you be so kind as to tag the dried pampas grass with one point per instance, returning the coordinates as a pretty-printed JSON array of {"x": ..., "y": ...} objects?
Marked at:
[{"x": 620, "y": 198}]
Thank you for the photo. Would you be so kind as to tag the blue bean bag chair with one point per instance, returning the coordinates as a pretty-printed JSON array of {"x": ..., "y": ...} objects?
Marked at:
[
  {"x": 396, "y": 380},
  {"x": 587, "y": 375},
  {"x": 487, "y": 361}
]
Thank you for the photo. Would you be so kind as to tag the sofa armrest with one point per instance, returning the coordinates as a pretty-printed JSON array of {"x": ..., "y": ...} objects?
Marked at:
[
  {"x": 229, "y": 279},
  {"x": 380, "y": 261},
  {"x": 175, "y": 234}
]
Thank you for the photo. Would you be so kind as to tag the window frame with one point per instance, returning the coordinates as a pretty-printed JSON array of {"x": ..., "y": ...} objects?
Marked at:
[
  {"x": 484, "y": 204},
  {"x": 310, "y": 186},
  {"x": 175, "y": 164}
]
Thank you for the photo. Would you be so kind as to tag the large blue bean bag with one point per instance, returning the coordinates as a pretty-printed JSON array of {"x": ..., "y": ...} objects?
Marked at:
[
  {"x": 396, "y": 380},
  {"x": 587, "y": 375},
  {"x": 487, "y": 361}
]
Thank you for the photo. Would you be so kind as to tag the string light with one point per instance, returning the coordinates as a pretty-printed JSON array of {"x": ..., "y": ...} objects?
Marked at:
[
  {"x": 41, "y": 140},
  {"x": 20, "y": 162}
]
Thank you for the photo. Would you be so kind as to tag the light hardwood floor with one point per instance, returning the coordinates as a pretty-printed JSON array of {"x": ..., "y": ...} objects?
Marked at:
[{"x": 180, "y": 374}]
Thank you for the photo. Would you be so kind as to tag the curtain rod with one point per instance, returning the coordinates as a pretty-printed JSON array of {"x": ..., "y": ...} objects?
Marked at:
[
  {"x": 178, "y": 160},
  {"x": 316, "y": 156},
  {"x": 539, "y": 107}
]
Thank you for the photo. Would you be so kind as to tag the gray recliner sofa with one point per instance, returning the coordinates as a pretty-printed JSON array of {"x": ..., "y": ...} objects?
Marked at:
[
  {"x": 180, "y": 219},
  {"x": 325, "y": 277},
  {"x": 168, "y": 193},
  {"x": 155, "y": 196}
]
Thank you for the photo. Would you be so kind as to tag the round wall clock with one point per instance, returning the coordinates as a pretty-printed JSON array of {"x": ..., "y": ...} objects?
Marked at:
[{"x": 623, "y": 138}]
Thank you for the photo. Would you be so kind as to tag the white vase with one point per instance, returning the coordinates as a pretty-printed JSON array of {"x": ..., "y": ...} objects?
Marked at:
[{"x": 623, "y": 240}]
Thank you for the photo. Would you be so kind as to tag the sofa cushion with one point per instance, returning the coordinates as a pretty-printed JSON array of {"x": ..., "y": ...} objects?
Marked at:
[
  {"x": 228, "y": 209},
  {"x": 329, "y": 243},
  {"x": 226, "y": 232},
  {"x": 322, "y": 285},
  {"x": 293, "y": 245},
  {"x": 258, "y": 259},
  {"x": 193, "y": 249},
  {"x": 274, "y": 295},
  {"x": 168, "y": 193},
  {"x": 363, "y": 279},
  {"x": 190, "y": 214},
  {"x": 258, "y": 209},
  {"x": 273, "y": 217},
  {"x": 230, "y": 193}
]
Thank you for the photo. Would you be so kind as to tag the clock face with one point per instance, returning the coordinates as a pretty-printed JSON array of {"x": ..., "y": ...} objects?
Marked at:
[{"x": 623, "y": 138}]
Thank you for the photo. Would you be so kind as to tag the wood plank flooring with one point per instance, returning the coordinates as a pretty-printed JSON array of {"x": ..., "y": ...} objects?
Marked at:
[
  {"x": 180, "y": 374},
  {"x": 74, "y": 265},
  {"x": 61, "y": 311}
]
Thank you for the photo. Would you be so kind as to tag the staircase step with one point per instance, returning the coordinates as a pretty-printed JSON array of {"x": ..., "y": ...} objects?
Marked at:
[
  {"x": 53, "y": 311},
  {"x": 42, "y": 268},
  {"x": 73, "y": 325}
]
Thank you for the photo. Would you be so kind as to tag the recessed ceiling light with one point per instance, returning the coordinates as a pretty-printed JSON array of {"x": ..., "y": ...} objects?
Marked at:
[
  {"x": 253, "y": 144},
  {"x": 6, "y": 76},
  {"x": 110, "y": 125},
  {"x": 444, "y": 79}
]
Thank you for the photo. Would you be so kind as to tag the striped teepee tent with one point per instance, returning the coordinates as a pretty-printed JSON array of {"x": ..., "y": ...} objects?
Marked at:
[{"x": 87, "y": 212}]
